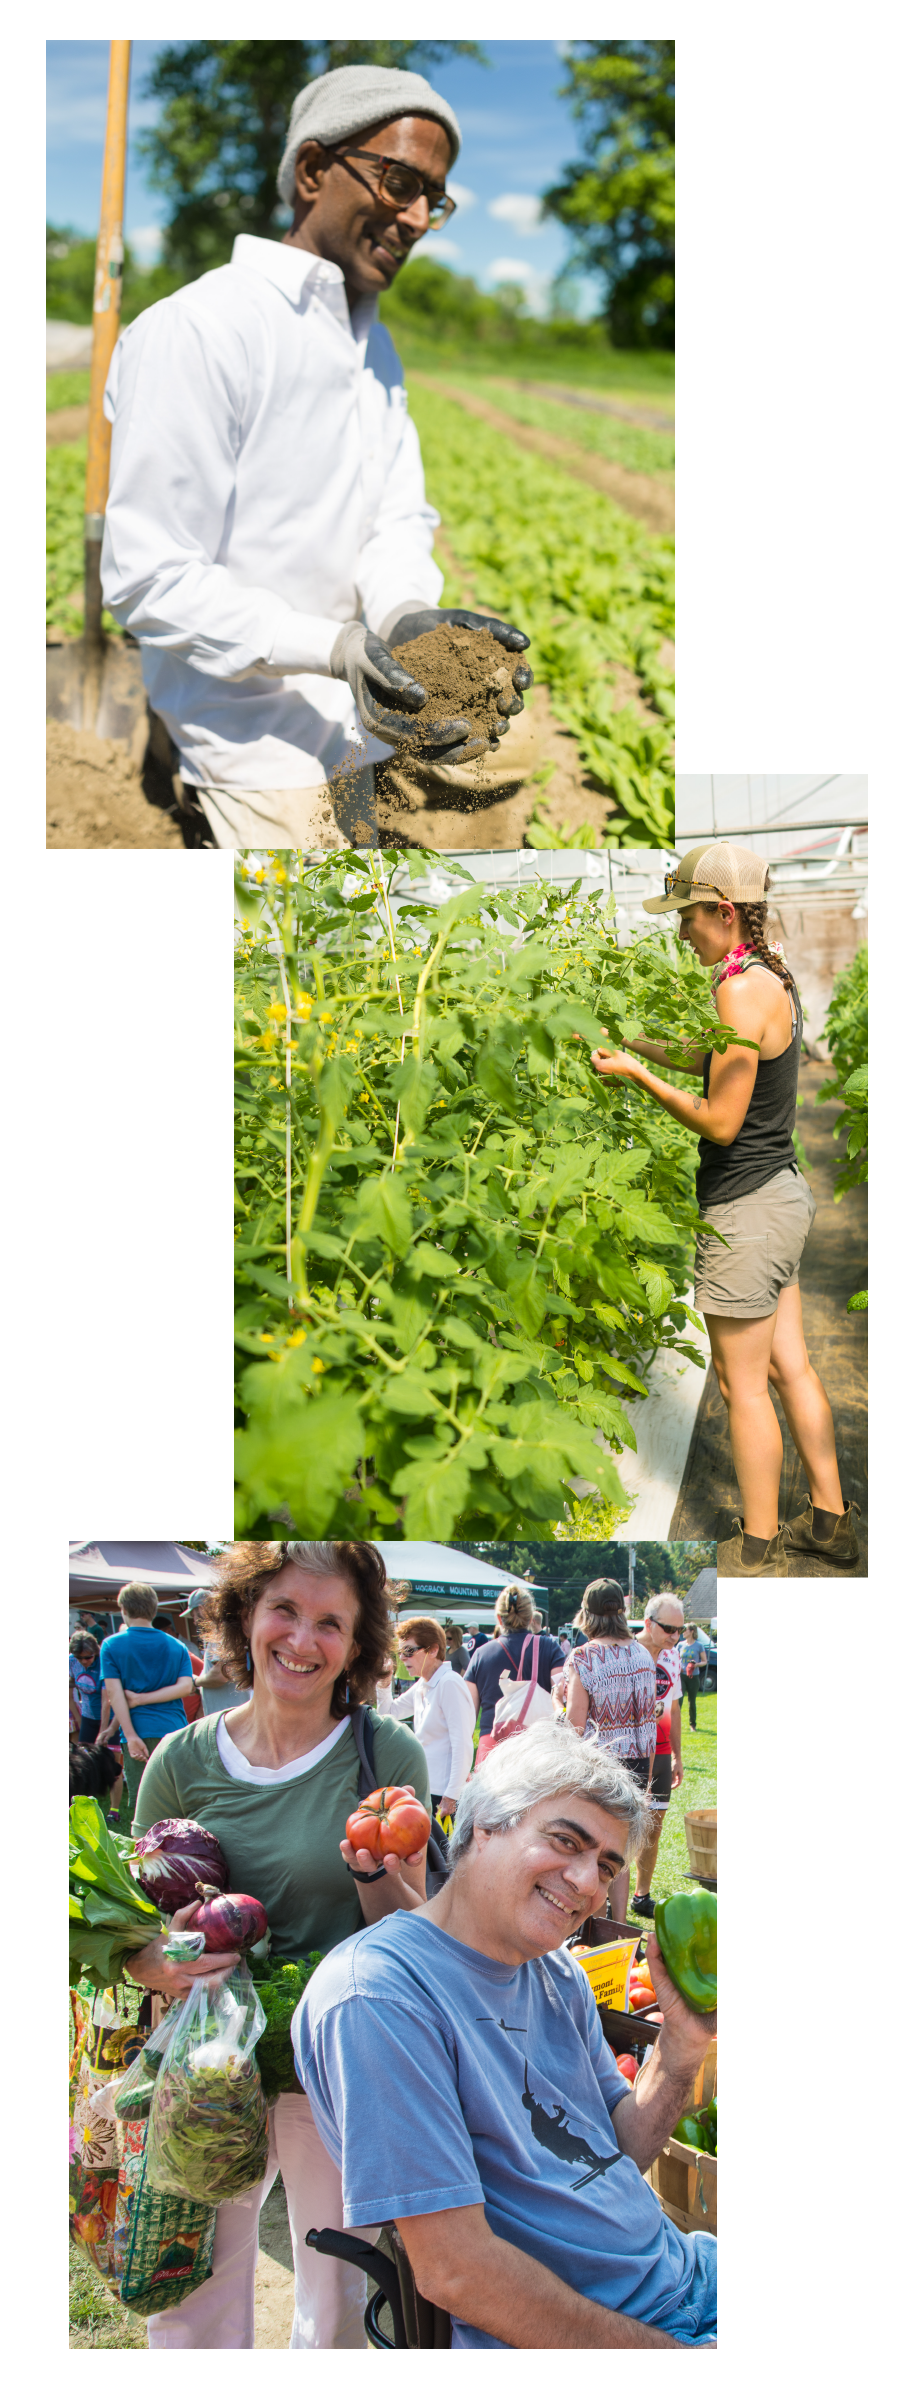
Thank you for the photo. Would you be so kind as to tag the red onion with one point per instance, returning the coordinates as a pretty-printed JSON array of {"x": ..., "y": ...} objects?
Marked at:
[
  {"x": 229, "y": 1920},
  {"x": 175, "y": 1857}
]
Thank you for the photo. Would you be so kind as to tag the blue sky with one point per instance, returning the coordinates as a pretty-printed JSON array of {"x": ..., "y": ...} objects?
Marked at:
[{"x": 517, "y": 135}]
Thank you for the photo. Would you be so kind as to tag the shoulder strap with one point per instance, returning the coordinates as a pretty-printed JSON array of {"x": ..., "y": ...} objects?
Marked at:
[{"x": 364, "y": 1737}]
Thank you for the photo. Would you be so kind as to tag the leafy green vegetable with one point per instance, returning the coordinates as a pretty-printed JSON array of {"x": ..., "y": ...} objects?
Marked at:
[
  {"x": 592, "y": 587},
  {"x": 207, "y": 2137},
  {"x": 109, "y": 1916},
  {"x": 278, "y": 1995}
]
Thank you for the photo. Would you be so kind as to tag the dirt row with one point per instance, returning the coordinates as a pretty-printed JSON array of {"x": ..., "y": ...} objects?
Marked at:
[{"x": 639, "y": 495}]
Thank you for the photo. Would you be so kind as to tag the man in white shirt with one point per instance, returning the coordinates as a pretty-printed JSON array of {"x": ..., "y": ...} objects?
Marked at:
[{"x": 267, "y": 539}]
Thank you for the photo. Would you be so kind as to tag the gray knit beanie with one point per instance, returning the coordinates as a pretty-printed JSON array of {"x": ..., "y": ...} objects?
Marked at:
[{"x": 350, "y": 99}]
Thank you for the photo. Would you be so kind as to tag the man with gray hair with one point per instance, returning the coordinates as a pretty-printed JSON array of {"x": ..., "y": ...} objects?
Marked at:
[
  {"x": 267, "y": 535},
  {"x": 457, "y": 2073}
]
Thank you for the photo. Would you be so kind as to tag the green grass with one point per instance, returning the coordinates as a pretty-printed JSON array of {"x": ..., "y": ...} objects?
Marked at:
[
  {"x": 633, "y": 374},
  {"x": 69, "y": 391},
  {"x": 97, "y": 2320}
]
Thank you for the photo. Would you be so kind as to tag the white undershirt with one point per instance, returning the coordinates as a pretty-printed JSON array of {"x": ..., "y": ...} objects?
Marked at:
[{"x": 237, "y": 1766}]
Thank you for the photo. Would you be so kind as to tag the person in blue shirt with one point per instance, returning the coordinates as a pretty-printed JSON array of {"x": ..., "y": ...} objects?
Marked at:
[
  {"x": 456, "y": 2070},
  {"x": 147, "y": 1675},
  {"x": 84, "y": 1671}
]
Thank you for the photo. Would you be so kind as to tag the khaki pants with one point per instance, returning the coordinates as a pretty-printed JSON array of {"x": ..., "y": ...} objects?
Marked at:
[{"x": 320, "y": 816}]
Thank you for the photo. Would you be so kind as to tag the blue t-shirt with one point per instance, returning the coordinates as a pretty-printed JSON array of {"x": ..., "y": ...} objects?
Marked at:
[
  {"x": 145, "y": 1661},
  {"x": 88, "y": 1682},
  {"x": 441, "y": 2079}
]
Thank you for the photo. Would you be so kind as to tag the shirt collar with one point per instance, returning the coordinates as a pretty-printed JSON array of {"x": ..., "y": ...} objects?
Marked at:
[{"x": 296, "y": 271}]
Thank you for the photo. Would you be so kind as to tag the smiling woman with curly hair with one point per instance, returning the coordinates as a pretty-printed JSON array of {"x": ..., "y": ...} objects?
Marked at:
[{"x": 302, "y": 1629}]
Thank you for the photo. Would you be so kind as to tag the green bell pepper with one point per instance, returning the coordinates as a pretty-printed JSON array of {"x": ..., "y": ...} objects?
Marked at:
[
  {"x": 686, "y": 1933},
  {"x": 691, "y": 2131}
]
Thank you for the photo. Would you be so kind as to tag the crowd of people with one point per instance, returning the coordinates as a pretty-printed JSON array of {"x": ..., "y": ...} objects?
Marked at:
[{"x": 451, "y": 2072}]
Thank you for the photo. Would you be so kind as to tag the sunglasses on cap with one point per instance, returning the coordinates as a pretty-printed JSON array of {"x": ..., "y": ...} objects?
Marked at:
[{"x": 670, "y": 884}]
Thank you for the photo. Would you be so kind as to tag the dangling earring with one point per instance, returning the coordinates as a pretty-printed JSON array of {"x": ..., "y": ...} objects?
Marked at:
[
  {"x": 249, "y": 1662},
  {"x": 347, "y": 1693}
]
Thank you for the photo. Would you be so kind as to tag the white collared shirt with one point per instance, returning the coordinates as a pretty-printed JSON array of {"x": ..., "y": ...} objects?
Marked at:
[
  {"x": 266, "y": 485},
  {"x": 443, "y": 1715}
]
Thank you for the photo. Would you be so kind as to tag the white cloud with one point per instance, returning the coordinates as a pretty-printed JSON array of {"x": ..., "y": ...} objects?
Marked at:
[
  {"x": 146, "y": 242},
  {"x": 510, "y": 270},
  {"x": 536, "y": 287},
  {"x": 442, "y": 249},
  {"x": 463, "y": 197},
  {"x": 521, "y": 210}
]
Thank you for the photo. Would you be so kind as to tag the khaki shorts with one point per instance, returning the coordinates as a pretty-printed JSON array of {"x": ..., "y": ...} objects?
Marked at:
[
  {"x": 322, "y": 816},
  {"x": 766, "y": 1232}
]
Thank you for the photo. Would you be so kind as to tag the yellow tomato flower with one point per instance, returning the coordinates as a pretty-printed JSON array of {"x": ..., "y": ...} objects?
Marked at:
[
  {"x": 277, "y": 1009},
  {"x": 319, "y": 1366}
]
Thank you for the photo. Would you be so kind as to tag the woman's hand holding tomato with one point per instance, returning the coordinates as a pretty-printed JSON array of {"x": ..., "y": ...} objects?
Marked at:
[
  {"x": 389, "y": 1822},
  {"x": 389, "y": 1829}
]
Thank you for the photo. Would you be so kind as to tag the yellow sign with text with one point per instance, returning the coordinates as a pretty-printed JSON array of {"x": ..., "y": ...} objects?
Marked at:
[{"x": 607, "y": 1970}]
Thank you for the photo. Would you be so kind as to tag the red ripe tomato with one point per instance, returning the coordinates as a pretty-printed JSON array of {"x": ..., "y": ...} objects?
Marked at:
[
  {"x": 389, "y": 1820},
  {"x": 627, "y": 2064}
]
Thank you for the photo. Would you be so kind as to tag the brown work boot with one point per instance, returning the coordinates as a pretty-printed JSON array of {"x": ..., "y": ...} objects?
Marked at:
[
  {"x": 732, "y": 1562},
  {"x": 842, "y": 1547}
]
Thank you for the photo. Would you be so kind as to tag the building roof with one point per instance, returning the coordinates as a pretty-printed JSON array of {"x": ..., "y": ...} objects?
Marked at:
[{"x": 700, "y": 1601}]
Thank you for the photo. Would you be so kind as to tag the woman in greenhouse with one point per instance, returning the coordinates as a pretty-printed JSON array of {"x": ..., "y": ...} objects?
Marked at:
[
  {"x": 302, "y": 1628},
  {"x": 751, "y": 1194}
]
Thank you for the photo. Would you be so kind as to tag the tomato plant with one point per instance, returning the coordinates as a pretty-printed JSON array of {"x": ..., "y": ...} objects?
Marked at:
[{"x": 457, "y": 1247}]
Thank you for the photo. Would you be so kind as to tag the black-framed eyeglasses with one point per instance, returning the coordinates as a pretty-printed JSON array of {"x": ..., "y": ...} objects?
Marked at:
[{"x": 399, "y": 185}]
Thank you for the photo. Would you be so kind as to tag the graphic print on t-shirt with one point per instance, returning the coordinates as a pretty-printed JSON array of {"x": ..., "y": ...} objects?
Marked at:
[
  {"x": 668, "y": 1686},
  {"x": 555, "y": 2133}
]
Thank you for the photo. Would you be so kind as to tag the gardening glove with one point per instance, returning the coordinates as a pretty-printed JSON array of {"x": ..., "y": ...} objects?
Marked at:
[
  {"x": 362, "y": 660},
  {"x": 410, "y": 619}
]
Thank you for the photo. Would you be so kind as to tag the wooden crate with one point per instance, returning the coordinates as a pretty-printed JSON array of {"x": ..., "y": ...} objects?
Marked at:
[{"x": 684, "y": 2181}]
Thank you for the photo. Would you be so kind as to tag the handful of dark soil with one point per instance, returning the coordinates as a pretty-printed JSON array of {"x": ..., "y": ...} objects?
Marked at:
[{"x": 465, "y": 675}]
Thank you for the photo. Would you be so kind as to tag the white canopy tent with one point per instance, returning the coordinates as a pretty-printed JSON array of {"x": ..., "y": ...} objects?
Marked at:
[{"x": 435, "y": 1573}]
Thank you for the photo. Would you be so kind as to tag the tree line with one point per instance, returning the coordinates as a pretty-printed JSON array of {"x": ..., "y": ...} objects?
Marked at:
[{"x": 214, "y": 152}]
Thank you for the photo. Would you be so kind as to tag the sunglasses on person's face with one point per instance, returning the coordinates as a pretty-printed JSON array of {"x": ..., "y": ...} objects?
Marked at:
[
  {"x": 411, "y": 1653},
  {"x": 662, "y": 1627},
  {"x": 398, "y": 186}
]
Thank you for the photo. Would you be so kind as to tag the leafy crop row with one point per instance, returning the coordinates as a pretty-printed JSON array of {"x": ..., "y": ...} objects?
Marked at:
[
  {"x": 457, "y": 1249},
  {"x": 638, "y": 447},
  {"x": 591, "y": 587},
  {"x": 66, "y": 467}
]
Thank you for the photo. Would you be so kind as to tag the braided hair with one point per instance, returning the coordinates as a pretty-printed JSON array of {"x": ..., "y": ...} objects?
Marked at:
[{"x": 753, "y": 915}]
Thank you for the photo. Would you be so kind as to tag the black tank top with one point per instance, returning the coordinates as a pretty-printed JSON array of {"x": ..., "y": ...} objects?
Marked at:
[{"x": 764, "y": 1143}]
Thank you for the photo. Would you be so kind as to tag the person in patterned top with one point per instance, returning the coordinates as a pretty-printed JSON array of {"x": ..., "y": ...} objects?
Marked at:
[
  {"x": 611, "y": 1695},
  {"x": 663, "y": 1630}
]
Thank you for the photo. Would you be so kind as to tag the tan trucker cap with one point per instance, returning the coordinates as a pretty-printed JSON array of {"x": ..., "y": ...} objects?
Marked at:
[{"x": 714, "y": 871}]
